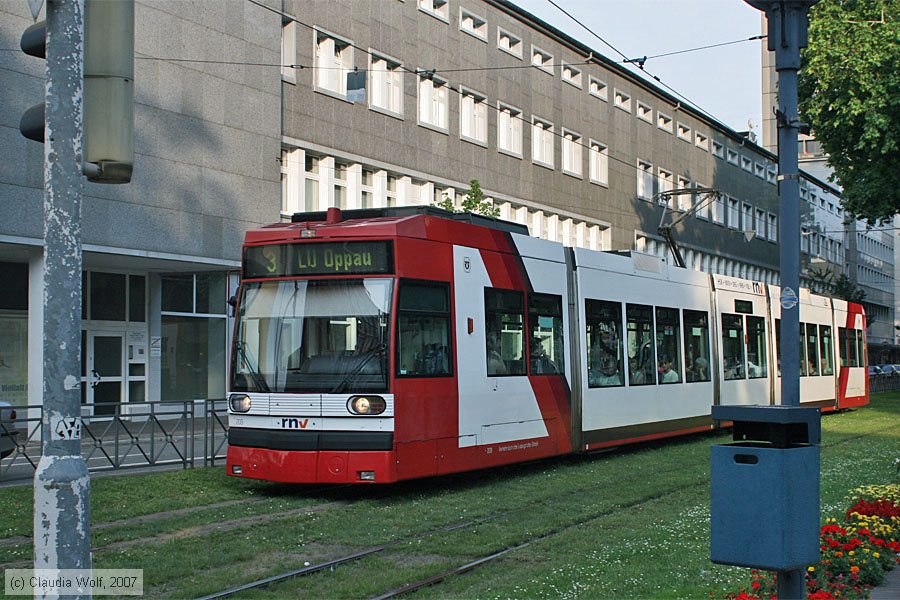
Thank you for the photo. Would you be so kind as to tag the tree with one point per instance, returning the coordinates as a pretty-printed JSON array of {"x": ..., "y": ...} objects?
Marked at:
[
  {"x": 823, "y": 281},
  {"x": 850, "y": 93},
  {"x": 474, "y": 202}
]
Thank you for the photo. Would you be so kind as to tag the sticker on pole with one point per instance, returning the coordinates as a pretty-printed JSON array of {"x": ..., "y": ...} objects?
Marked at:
[
  {"x": 65, "y": 428},
  {"x": 788, "y": 298}
]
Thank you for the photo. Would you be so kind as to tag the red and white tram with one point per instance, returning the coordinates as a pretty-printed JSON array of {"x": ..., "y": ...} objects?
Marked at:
[{"x": 386, "y": 344}]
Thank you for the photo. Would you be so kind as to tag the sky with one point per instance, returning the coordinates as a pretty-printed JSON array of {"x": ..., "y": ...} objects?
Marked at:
[{"x": 724, "y": 82}]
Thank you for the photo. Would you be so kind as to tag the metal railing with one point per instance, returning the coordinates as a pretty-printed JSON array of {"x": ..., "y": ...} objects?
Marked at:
[
  {"x": 884, "y": 382},
  {"x": 122, "y": 436}
]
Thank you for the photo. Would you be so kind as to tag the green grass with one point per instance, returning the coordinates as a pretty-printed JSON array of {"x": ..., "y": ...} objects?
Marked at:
[{"x": 633, "y": 523}]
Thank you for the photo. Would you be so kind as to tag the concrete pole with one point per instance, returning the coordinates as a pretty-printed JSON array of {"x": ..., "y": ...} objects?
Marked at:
[
  {"x": 787, "y": 27},
  {"x": 61, "y": 482}
]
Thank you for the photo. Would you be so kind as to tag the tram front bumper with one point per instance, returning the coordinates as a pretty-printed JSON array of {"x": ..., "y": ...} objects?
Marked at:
[{"x": 316, "y": 466}]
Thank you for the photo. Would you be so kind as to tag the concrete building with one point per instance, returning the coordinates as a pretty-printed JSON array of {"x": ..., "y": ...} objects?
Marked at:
[
  {"x": 157, "y": 252},
  {"x": 356, "y": 104}
]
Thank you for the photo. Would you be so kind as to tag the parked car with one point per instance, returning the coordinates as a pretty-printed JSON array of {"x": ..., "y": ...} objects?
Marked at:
[
  {"x": 888, "y": 369},
  {"x": 8, "y": 431},
  {"x": 874, "y": 370}
]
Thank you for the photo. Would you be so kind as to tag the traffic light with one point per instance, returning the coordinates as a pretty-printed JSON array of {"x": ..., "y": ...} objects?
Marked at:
[{"x": 108, "y": 105}]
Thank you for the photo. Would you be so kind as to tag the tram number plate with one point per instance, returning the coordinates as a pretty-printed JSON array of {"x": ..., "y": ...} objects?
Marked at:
[{"x": 298, "y": 423}]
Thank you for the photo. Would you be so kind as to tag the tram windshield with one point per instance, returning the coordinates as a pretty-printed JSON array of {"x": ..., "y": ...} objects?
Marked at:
[{"x": 326, "y": 336}]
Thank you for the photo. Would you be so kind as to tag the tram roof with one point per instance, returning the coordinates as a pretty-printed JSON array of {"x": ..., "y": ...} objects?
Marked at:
[{"x": 405, "y": 221}]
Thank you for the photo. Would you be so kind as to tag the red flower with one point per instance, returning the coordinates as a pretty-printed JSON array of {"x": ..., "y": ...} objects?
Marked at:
[{"x": 755, "y": 585}]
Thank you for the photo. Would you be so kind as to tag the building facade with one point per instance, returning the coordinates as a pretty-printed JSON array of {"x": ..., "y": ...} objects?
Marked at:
[
  {"x": 358, "y": 104},
  {"x": 158, "y": 251}
]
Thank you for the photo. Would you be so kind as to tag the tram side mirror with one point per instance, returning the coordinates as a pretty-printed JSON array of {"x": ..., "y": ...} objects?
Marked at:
[{"x": 232, "y": 302}]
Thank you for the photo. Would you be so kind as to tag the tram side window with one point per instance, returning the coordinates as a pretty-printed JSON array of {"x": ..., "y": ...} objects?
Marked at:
[
  {"x": 505, "y": 332},
  {"x": 668, "y": 336},
  {"x": 733, "y": 346},
  {"x": 423, "y": 330},
  {"x": 778, "y": 344},
  {"x": 861, "y": 347},
  {"x": 757, "y": 360},
  {"x": 827, "y": 353},
  {"x": 545, "y": 328},
  {"x": 804, "y": 371},
  {"x": 604, "y": 342},
  {"x": 641, "y": 355},
  {"x": 812, "y": 349},
  {"x": 849, "y": 349},
  {"x": 696, "y": 344}
]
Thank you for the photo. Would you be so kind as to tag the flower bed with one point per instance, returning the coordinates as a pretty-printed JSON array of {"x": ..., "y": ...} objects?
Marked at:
[{"x": 855, "y": 554}]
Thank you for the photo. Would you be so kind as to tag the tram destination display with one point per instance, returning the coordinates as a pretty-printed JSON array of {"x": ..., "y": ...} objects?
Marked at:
[{"x": 320, "y": 258}]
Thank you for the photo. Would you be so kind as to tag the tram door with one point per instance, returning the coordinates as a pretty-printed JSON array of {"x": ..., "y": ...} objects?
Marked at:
[{"x": 103, "y": 375}]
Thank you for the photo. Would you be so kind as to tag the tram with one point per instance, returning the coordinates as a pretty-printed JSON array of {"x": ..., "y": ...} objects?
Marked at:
[{"x": 378, "y": 345}]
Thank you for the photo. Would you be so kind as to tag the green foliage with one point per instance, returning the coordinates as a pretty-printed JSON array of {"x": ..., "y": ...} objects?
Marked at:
[
  {"x": 474, "y": 202},
  {"x": 850, "y": 94}
]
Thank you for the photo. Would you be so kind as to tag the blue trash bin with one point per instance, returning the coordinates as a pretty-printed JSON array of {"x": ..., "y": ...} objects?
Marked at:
[{"x": 764, "y": 488}]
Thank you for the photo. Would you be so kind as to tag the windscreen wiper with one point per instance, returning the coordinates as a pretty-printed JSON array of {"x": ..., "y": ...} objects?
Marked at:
[
  {"x": 258, "y": 380},
  {"x": 357, "y": 370}
]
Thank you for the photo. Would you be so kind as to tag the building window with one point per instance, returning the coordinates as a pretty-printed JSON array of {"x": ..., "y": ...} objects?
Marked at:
[
  {"x": 472, "y": 24},
  {"x": 664, "y": 121},
  {"x": 509, "y": 43},
  {"x": 772, "y": 174},
  {"x": 571, "y": 75},
  {"x": 311, "y": 183},
  {"x": 367, "y": 191},
  {"x": 386, "y": 83},
  {"x": 433, "y": 100},
  {"x": 505, "y": 332},
  {"x": 760, "y": 224},
  {"x": 599, "y": 163},
  {"x": 622, "y": 100},
  {"x": 746, "y": 164},
  {"x": 390, "y": 192},
  {"x": 439, "y": 9},
  {"x": 684, "y": 132},
  {"x": 193, "y": 328},
  {"x": 748, "y": 218},
  {"x": 472, "y": 116},
  {"x": 644, "y": 112},
  {"x": 665, "y": 185},
  {"x": 701, "y": 141},
  {"x": 288, "y": 51},
  {"x": 509, "y": 130},
  {"x": 644, "y": 180},
  {"x": 760, "y": 170},
  {"x": 542, "y": 142},
  {"x": 718, "y": 209},
  {"x": 718, "y": 149},
  {"x": 571, "y": 153},
  {"x": 733, "y": 156},
  {"x": 704, "y": 209},
  {"x": 541, "y": 59},
  {"x": 334, "y": 59},
  {"x": 341, "y": 171},
  {"x": 598, "y": 89},
  {"x": 685, "y": 201},
  {"x": 734, "y": 213}
]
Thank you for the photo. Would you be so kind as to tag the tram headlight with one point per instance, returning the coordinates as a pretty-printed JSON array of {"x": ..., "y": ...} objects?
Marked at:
[
  {"x": 240, "y": 403},
  {"x": 366, "y": 405}
]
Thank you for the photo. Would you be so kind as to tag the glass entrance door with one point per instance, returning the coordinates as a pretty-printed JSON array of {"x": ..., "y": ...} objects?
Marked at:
[{"x": 103, "y": 378}]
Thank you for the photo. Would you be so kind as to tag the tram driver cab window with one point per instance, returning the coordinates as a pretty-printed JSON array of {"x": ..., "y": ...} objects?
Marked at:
[
  {"x": 423, "y": 330},
  {"x": 504, "y": 332}
]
